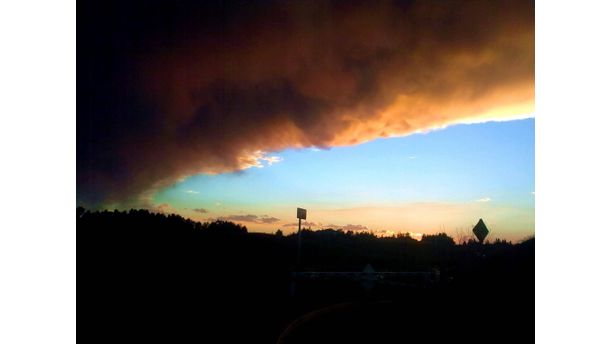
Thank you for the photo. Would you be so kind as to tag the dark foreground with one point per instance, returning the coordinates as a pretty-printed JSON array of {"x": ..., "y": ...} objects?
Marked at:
[{"x": 145, "y": 277}]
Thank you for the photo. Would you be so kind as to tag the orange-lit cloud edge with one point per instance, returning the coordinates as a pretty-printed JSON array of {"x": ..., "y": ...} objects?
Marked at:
[
  {"x": 284, "y": 80},
  {"x": 500, "y": 106}
]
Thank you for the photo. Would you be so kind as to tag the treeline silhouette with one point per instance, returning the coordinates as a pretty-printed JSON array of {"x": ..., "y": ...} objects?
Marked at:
[{"x": 151, "y": 276}]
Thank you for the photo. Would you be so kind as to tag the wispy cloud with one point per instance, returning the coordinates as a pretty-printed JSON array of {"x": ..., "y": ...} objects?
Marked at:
[
  {"x": 318, "y": 225},
  {"x": 163, "y": 208},
  {"x": 272, "y": 159},
  {"x": 304, "y": 224},
  {"x": 412, "y": 157},
  {"x": 484, "y": 199},
  {"x": 200, "y": 210},
  {"x": 240, "y": 218},
  {"x": 250, "y": 218},
  {"x": 349, "y": 227},
  {"x": 258, "y": 158},
  {"x": 268, "y": 219},
  {"x": 192, "y": 192}
]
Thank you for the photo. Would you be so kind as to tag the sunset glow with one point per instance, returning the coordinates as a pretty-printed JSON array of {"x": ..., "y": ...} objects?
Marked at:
[
  {"x": 387, "y": 117},
  {"x": 440, "y": 181}
]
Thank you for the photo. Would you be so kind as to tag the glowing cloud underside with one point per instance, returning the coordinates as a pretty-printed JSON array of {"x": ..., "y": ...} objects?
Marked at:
[{"x": 304, "y": 74}]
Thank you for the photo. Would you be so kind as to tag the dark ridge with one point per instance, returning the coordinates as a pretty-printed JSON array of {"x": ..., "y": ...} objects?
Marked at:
[{"x": 145, "y": 276}]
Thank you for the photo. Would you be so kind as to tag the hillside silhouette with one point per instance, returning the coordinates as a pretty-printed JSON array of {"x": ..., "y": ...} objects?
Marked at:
[{"x": 147, "y": 276}]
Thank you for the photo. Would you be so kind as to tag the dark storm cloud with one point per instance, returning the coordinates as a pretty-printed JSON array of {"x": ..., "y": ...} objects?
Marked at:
[{"x": 167, "y": 90}]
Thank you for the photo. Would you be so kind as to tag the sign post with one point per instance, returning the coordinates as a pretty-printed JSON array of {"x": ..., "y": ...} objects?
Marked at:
[{"x": 301, "y": 214}]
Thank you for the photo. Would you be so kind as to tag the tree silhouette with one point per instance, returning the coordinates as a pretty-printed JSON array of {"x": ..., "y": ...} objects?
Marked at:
[{"x": 162, "y": 276}]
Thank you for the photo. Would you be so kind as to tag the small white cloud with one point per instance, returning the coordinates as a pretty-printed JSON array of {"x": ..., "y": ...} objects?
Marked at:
[
  {"x": 412, "y": 157},
  {"x": 533, "y": 193},
  {"x": 484, "y": 199},
  {"x": 258, "y": 157},
  {"x": 192, "y": 192},
  {"x": 416, "y": 236},
  {"x": 270, "y": 159}
]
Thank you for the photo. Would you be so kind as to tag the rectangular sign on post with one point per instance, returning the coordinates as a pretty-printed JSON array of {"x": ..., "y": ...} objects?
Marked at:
[{"x": 301, "y": 213}]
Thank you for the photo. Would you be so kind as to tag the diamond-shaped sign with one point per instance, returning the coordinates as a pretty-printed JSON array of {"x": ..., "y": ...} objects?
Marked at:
[{"x": 480, "y": 230}]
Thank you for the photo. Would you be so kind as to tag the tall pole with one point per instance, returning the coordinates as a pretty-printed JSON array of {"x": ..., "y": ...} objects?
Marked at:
[{"x": 299, "y": 235}]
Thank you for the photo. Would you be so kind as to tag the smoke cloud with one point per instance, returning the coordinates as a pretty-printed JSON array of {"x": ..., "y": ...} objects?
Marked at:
[{"x": 168, "y": 90}]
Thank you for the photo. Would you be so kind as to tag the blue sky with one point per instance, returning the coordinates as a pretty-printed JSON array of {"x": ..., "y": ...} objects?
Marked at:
[{"x": 485, "y": 168}]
